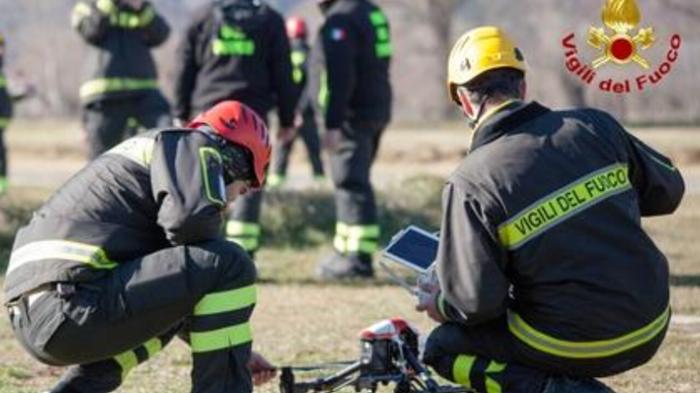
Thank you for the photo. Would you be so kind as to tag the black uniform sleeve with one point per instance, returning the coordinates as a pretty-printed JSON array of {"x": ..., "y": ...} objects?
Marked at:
[
  {"x": 187, "y": 183},
  {"x": 340, "y": 41},
  {"x": 155, "y": 29},
  {"x": 280, "y": 65},
  {"x": 658, "y": 182},
  {"x": 470, "y": 262},
  {"x": 186, "y": 69},
  {"x": 91, "y": 23}
]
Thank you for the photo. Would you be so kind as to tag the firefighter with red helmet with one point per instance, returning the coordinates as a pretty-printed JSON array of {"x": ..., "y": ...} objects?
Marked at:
[
  {"x": 129, "y": 252},
  {"x": 297, "y": 32}
]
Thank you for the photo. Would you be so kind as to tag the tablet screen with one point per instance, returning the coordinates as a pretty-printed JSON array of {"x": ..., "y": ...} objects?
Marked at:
[{"x": 415, "y": 248}]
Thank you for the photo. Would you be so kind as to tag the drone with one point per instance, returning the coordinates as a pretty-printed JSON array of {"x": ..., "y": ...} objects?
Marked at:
[{"x": 389, "y": 355}]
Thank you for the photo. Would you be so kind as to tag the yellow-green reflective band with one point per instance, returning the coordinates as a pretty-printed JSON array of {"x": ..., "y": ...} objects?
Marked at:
[
  {"x": 226, "y": 301},
  {"x": 340, "y": 244},
  {"x": 323, "y": 91},
  {"x": 585, "y": 350},
  {"x": 461, "y": 369},
  {"x": 233, "y": 48},
  {"x": 147, "y": 16},
  {"x": 297, "y": 75},
  {"x": 4, "y": 184},
  {"x": 298, "y": 58},
  {"x": 3, "y": 82},
  {"x": 247, "y": 243},
  {"x": 106, "y": 6},
  {"x": 563, "y": 204},
  {"x": 231, "y": 33},
  {"x": 378, "y": 18},
  {"x": 242, "y": 228},
  {"x": 492, "y": 386},
  {"x": 137, "y": 149},
  {"x": 357, "y": 231},
  {"x": 383, "y": 49},
  {"x": 221, "y": 338},
  {"x": 215, "y": 192},
  {"x": 107, "y": 85},
  {"x": 127, "y": 361},
  {"x": 361, "y": 245},
  {"x": 153, "y": 346},
  {"x": 383, "y": 33},
  {"x": 4, "y": 122},
  {"x": 92, "y": 256}
]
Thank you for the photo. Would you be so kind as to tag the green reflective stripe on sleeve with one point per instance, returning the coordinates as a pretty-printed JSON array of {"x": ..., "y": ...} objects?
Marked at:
[
  {"x": 585, "y": 349},
  {"x": 137, "y": 149},
  {"x": 298, "y": 58},
  {"x": 383, "y": 49},
  {"x": 221, "y": 338},
  {"x": 213, "y": 185},
  {"x": 378, "y": 18},
  {"x": 226, "y": 301},
  {"x": 461, "y": 369},
  {"x": 109, "y": 85},
  {"x": 247, "y": 243},
  {"x": 127, "y": 361},
  {"x": 563, "y": 204},
  {"x": 492, "y": 385},
  {"x": 106, "y": 6},
  {"x": 323, "y": 91},
  {"x": 4, "y": 122},
  {"x": 297, "y": 75},
  {"x": 153, "y": 346},
  {"x": 92, "y": 256},
  {"x": 238, "y": 228}
]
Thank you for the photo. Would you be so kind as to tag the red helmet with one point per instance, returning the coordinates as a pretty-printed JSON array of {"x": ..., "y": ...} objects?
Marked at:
[
  {"x": 296, "y": 27},
  {"x": 239, "y": 124}
]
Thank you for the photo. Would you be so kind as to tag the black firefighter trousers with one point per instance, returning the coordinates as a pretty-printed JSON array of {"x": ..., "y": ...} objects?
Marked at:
[
  {"x": 107, "y": 121},
  {"x": 108, "y": 326},
  {"x": 309, "y": 134},
  {"x": 489, "y": 359}
]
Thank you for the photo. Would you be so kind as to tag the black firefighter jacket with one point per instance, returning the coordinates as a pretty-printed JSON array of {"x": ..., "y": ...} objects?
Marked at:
[
  {"x": 541, "y": 222},
  {"x": 235, "y": 50},
  {"x": 350, "y": 65},
  {"x": 153, "y": 191},
  {"x": 119, "y": 63}
]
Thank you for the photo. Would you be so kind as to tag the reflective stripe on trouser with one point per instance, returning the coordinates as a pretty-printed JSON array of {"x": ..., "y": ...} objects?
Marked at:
[
  {"x": 4, "y": 122},
  {"x": 110, "y": 85},
  {"x": 351, "y": 239},
  {"x": 245, "y": 234},
  {"x": 469, "y": 371}
]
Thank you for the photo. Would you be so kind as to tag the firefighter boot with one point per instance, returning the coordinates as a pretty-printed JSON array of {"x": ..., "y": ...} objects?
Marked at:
[{"x": 338, "y": 267}]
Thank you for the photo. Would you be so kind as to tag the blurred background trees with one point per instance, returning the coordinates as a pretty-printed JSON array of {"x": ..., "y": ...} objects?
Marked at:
[{"x": 43, "y": 49}]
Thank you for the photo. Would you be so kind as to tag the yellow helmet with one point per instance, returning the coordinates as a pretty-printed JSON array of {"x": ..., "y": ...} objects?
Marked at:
[{"x": 477, "y": 51}]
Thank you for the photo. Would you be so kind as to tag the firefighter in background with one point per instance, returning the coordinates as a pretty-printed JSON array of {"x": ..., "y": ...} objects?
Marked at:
[
  {"x": 543, "y": 265},
  {"x": 350, "y": 67},
  {"x": 306, "y": 118},
  {"x": 6, "y": 101},
  {"x": 237, "y": 49},
  {"x": 120, "y": 91},
  {"x": 129, "y": 252}
]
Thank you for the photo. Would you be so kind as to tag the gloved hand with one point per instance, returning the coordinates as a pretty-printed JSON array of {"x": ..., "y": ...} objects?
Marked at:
[
  {"x": 428, "y": 292},
  {"x": 331, "y": 139}
]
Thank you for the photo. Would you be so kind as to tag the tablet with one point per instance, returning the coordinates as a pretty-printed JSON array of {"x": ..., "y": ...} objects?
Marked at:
[{"x": 414, "y": 248}]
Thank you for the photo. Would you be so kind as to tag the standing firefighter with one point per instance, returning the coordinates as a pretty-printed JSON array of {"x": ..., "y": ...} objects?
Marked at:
[
  {"x": 6, "y": 101},
  {"x": 120, "y": 91},
  {"x": 129, "y": 252},
  {"x": 543, "y": 265},
  {"x": 297, "y": 33},
  {"x": 237, "y": 49},
  {"x": 351, "y": 69}
]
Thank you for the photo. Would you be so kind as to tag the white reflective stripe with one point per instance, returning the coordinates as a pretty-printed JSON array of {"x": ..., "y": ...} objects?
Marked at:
[{"x": 60, "y": 249}]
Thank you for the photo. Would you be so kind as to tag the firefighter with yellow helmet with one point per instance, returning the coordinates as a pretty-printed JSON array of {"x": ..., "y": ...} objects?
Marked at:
[{"x": 543, "y": 266}]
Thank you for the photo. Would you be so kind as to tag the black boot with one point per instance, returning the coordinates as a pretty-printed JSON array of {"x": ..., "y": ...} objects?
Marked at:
[{"x": 575, "y": 385}]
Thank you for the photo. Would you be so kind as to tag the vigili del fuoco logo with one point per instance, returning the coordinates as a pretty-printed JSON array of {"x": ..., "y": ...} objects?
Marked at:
[{"x": 621, "y": 42}]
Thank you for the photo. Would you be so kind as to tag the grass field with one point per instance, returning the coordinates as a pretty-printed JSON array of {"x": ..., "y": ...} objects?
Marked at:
[{"x": 299, "y": 321}]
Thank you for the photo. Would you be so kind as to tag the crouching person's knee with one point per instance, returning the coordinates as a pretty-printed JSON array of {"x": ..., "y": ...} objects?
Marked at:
[
  {"x": 437, "y": 351},
  {"x": 225, "y": 263}
]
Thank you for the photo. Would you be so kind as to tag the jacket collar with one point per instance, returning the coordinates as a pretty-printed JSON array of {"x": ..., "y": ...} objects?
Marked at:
[{"x": 504, "y": 119}]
